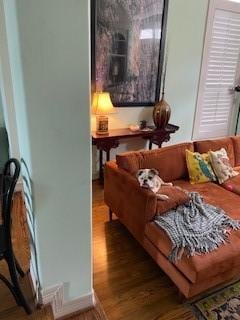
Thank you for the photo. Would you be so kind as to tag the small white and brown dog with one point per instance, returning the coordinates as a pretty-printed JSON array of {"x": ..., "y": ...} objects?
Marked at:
[{"x": 149, "y": 178}]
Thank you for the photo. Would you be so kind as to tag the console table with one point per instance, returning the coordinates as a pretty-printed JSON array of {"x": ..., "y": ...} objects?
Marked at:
[{"x": 111, "y": 140}]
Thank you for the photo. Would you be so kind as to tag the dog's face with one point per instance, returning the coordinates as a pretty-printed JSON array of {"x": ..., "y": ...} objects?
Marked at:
[{"x": 146, "y": 178}]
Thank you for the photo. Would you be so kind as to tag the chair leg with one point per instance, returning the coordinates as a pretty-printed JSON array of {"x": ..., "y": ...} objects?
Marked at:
[
  {"x": 10, "y": 287},
  {"x": 16, "y": 286},
  {"x": 19, "y": 269}
]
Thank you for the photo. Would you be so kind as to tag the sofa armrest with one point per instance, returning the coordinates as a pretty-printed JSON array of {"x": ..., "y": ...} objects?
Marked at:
[{"x": 134, "y": 206}]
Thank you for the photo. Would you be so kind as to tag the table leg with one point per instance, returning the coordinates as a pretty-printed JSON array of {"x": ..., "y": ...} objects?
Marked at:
[
  {"x": 101, "y": 166},
  {"x": 108, "y": 155},
  {"x": 150, "y": 145}
]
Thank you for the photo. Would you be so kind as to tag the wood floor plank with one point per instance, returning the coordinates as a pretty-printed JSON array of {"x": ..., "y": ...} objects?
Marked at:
[
  {"x": 8, "y": 308},
  {"x": 128, "y": 283},
  {"x": 17, "y": 314}
]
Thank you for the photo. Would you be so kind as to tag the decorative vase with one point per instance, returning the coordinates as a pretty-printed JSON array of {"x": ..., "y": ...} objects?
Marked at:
[
  {"x": 162, "y": 110},
  {"x": 161, "y": 113}
]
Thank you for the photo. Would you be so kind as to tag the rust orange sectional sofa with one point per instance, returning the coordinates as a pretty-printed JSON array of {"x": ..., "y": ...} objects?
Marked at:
[{"x": 136, "y": 208}]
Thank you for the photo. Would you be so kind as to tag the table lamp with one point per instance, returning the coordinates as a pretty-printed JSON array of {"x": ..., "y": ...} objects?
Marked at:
[{"x": 102, "y": 106}]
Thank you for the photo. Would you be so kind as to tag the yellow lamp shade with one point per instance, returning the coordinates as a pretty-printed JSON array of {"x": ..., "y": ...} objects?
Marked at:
[{"x": 102, "y": 104}]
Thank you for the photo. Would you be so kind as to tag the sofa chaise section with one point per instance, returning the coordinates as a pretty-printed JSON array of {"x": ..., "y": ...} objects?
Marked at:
[{"x": 136, "y": 208}]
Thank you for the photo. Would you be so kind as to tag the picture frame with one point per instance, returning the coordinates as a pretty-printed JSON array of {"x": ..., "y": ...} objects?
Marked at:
[{"x": 127, "y": 46}]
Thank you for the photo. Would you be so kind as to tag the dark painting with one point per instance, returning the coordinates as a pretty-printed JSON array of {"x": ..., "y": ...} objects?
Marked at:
[{"x": 128, "y": 49}]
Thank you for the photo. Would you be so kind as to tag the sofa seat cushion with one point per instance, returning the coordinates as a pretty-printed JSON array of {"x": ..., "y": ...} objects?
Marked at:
[
  {"x": 226, "y": 257},
  {"x": 216, "y": 195},
  {"x": 214, "y": 145},
  {"x": 199, "y": 267}
]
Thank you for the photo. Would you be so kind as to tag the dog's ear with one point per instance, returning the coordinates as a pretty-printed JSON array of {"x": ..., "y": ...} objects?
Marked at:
[
  {"x": 139, "y": 172},
  {"x": 154, "y": 171}
]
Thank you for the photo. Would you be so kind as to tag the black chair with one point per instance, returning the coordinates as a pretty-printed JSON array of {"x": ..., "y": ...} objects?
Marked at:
[{"x": 9, "y": 179}]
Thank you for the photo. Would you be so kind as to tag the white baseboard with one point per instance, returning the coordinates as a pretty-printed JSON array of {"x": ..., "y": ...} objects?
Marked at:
[
  {"x": 81, "y": 303},
  {"x": 55, "y": 297}
]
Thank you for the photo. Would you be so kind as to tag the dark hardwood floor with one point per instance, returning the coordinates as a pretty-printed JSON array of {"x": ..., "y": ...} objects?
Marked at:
[
  {"x": 128, "y": 283},
  {"x": 8, "y": 308}
]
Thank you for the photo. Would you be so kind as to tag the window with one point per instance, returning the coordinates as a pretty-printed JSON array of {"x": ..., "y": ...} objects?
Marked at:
[
  {"x": 118, "y": 59},
  {"x": 216, "y": 112}
]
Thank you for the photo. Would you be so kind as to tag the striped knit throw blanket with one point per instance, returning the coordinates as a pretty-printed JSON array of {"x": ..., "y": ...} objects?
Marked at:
[{"x": 195, "y": 227}]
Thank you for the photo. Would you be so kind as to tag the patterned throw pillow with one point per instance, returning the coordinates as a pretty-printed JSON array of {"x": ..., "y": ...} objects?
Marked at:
[
  {"x": 221, "y": 166},
  {"x": 199, "y": 167},
  {"x": 232, "y": 187}
]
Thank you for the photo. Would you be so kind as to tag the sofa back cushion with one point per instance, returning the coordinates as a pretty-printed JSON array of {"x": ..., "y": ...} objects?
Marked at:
[
  {"x": 236, "y": 146},
  {"x": 214, "y": 145},
  {"x": 129, "y": 161},
  {"x": 169, "y": 161}
]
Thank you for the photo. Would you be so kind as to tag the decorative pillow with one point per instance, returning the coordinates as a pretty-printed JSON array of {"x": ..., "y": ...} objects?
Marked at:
[
  {"x": 232, "y": 188},
  {"x": 221, "y": 165},
  {"x": 199, "y": 167}
]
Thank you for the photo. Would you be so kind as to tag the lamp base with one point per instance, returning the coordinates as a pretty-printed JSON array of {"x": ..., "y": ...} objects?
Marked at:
[{"x": 102, "y": 124}]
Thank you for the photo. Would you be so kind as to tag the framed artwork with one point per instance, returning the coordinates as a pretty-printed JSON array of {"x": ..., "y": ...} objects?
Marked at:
[{"x": 128, "y": 38}]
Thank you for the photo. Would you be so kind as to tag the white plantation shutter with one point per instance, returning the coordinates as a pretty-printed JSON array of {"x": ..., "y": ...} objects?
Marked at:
[{"x": 220, "y": 72}]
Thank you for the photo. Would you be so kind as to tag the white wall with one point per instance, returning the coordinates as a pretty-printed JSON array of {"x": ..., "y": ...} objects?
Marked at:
[
  {"x": 185, "y": 37},
  {"x": 49, "y": 51},
  {"x": 2, "y": 122}
]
